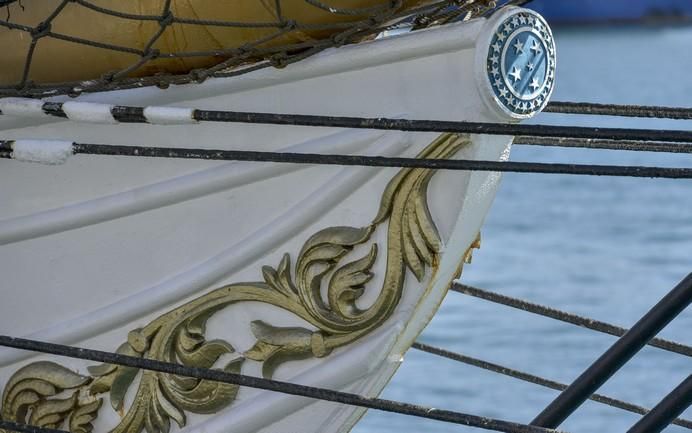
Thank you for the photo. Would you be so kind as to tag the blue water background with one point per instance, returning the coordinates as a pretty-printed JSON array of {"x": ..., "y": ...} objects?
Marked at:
[
  {"x": 600, "y": 10},
  {"x": 608, "y": 248}
]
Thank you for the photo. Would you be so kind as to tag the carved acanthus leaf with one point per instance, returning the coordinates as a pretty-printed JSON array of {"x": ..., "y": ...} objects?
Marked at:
[
  {"x": 115, "y": 379},
  {"x": 277, "y": 345},
  {"x": 31, "y": 395},
  {"x": 280, "y": 279},
  {"x": 84, "y": 414},
  {"x": 348, "y": 284},
  {"x": 322, "y": 251}
]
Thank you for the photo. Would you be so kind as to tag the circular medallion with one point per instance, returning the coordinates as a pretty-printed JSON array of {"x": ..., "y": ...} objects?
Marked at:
[{"x": 521, "y": 63}]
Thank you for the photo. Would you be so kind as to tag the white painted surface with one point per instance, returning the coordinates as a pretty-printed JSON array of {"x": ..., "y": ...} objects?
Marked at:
[{"x": 172, "y": 191}]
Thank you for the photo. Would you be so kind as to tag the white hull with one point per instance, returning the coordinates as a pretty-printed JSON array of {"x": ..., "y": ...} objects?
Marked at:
[{"x": 101, "y": 246}]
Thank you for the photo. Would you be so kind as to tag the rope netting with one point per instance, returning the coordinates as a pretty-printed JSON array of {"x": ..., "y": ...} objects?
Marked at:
[{"x": 54, "y": 47}]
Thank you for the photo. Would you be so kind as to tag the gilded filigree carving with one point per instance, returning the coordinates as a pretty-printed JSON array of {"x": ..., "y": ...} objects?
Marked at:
[{"x": 47, "y": 394}]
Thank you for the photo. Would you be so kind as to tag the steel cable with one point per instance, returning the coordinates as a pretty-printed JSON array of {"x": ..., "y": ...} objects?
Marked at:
[
  {"x": 664, "y": 413},
  {"x": 457, "y": 127},
  {"x": 591, "y": 143},
  {"x": 592, "y": 108},
  {"x": 616, "y": 356},
  {"x": 585, "y": 322},
  {"x": 671, "y": 141},
  {"x": 370, "y": 161},
  {"x": 134, "y": 114},
  {"x": 537, "y": 380}
]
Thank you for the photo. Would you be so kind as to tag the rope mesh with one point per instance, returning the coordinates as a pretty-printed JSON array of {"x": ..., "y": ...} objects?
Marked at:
[{"x": 176, "y": 43}]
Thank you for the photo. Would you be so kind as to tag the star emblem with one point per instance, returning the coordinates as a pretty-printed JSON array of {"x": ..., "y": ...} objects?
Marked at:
[
  {"x": 523, "y": 40},
  {"x": 534, "y": 84},
  {"x": 536, "y": 48},
  {"x": 518, "y": 47},
  {"x": 516, "y": 74}
]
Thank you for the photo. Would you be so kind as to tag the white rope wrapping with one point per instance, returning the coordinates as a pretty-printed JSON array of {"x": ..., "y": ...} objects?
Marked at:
[
  {"x": 89, "y": 112},
  {"x": 94, "y": 112},
  {"x": 24, "y": 107},
  {"x": 49, "y": 152},
  {"x": 169, "y": 115}
]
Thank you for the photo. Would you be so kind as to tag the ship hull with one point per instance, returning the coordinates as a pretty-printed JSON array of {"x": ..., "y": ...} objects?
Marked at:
[{"x": 318, "y": 275}]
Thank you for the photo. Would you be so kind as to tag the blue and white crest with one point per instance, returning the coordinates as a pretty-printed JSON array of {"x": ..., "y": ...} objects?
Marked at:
[{"x": 521, "y": 63}]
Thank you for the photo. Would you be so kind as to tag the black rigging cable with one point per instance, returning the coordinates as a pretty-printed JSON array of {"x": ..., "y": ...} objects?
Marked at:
[
  {"x": 527, "y": 377},
  {"x": 26, "y": 428},
  {"x": 591, "y": 108},
  {"x": 585, "y": 322},
  {"x": 591, "y": 143},
  {"x": 673, "y": 404},
  {"x": 272, "y": 385},
  {"x": 134, "y": 114},
  {"x": 370, "y": 161},
  {"x": 545, "y": 135},
  {"x": 617, "y": 355}
]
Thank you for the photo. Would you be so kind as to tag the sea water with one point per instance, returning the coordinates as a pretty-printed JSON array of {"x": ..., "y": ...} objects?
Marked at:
[{"x": 604, "y": 247}]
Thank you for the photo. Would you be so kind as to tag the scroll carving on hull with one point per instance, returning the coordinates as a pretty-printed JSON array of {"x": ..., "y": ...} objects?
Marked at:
[{"x": 48, "y": 395}]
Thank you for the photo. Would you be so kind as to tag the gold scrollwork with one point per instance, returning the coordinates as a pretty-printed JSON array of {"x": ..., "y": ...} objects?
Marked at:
[{"x": 49, "y": 395}]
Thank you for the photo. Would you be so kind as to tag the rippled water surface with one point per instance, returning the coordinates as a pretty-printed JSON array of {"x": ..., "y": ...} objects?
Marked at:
[{"x": 605, "y": 247}]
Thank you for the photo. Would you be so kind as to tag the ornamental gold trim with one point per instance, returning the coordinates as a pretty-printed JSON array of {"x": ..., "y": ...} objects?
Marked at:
[{"x": 46, "y": 394}]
